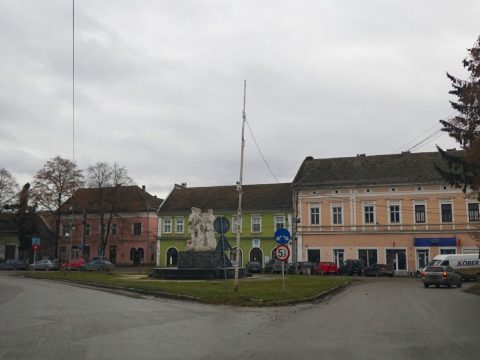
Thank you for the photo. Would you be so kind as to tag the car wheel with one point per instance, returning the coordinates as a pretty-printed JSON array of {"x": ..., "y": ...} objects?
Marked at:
[
  {"x": 437, "y": 286},
  {"x": 426, "y": 285}
]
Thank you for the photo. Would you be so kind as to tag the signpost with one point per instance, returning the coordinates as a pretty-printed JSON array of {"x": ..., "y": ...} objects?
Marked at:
[
  {"x": 282, "y": 253},
  {"x": 35, "y": 247}
]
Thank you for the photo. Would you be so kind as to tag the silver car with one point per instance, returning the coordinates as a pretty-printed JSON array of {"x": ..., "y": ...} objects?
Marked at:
[
  {"x": 43, "y": 265},
  {"x": 440, "y": 275}
]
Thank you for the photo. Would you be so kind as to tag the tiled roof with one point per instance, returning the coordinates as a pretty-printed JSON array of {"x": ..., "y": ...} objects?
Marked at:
[
  {"x": 225, "y": 198},
  {"x": 130, "y": 199},
  {"x": 405, "y": 168}
]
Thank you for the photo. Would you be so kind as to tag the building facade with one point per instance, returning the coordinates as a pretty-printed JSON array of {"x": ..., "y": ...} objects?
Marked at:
[
  {"x": 265, "y": 208},
  {"x": 393, "y": 209},
  {"x": 130, "y": 224}
]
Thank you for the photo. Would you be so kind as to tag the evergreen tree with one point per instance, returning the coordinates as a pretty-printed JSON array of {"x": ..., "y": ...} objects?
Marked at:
[{"x": 464, "y": 167}]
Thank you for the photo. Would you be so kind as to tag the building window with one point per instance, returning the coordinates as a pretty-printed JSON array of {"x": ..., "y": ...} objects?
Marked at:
[
  {"x": 113, "y": 229},
  {"x": 369, "y": 214},
  {"x": 167, "y": 225},
  {"x": 179, "y": 225},
  {"x": 447, "y": 215},
  {"x": 256, "y": 224},
  {"x": 87, "y": 230},
  {"x": 473, "y": 212},
  {"x": 420, "y": 214},
  {"x": 337, "y": 215},
  {"x": 235, "y": 224},
  {"x": 66, "y": 229},
  {"x": 367, "y": 256},
  {"x": 137, "y": 229},
  {"x": 279, "y": 222},
  {"x": 314, "y": 215},
  {"x": 394, "y": 214}
]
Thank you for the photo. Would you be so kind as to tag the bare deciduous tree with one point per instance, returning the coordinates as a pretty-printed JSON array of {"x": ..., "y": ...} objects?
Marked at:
[
  {"x": 106, "y": 179},
  {"x": 8, "y": 189},
  {"x": 56, "y": 182}
]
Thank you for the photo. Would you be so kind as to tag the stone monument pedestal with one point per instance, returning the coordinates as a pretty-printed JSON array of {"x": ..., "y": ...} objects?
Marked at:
[{"x": 199, "y": 265}]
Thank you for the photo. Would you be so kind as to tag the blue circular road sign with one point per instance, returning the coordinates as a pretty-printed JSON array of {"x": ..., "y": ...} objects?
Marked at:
[{"x": 282, "y": 236}]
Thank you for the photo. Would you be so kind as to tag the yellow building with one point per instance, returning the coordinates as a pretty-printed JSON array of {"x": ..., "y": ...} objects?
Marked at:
[{"x": 393, "y": 209}]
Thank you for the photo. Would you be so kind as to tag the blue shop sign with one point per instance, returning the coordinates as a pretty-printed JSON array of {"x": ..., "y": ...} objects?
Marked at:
[{"x": 444, "y": 241}]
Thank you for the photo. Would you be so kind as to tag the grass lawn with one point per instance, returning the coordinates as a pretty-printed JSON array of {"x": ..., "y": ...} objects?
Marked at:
[{"x": 256, "y": 291}]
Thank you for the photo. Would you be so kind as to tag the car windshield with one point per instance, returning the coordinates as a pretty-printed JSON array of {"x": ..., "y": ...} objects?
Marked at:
[{"x": 436, "y": 262}]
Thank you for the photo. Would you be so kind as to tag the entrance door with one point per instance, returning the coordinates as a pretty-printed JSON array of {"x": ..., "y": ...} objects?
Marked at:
[
  {"x": 338, "y": 256},
  {"x": 9, "y": 252},
  {"x": 422, "y": 258},
  {"x": 112, "y": 255},
  {"x": 172, "y": 257},
  {"x": 397, "y": 258},
  {"x": 256, "y": 255},
  {"x": 313, "y": 255}
]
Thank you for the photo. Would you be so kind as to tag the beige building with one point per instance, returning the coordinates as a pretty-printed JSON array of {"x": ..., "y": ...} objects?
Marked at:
[{"x": 393, "y": 209}]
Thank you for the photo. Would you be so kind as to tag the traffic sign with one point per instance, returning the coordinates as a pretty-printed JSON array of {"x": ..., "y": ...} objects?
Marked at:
[
  {"x": 35, "y": 243},
  {"x": 282, "y": 252},
  {"x": 221, "y": 225},
  {"x": 282, "y": 236},
  {"x": 35, "y": 247}
]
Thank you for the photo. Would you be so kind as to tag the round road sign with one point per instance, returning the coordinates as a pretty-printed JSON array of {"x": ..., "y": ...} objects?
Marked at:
[
  {"x": 282, "y": 252},
  {"x": 282, "y": 236}
]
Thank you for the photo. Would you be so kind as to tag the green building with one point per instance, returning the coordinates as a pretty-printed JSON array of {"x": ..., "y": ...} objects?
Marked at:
[{"x": 265, "y": 208}]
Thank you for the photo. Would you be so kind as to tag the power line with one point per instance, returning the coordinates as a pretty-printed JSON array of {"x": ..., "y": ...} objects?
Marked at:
[
  {"x": 419, "y": 136},
  {"x": 260, "y": 152}
]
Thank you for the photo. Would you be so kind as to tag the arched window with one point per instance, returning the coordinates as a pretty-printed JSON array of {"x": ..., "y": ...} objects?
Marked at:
[
  {"x": 233, "y": 256},
  {"x": 140, "y": 253},
  {"x": 172, "y": 257}
]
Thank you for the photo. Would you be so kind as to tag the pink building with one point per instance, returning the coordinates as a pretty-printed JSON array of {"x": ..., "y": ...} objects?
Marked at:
[
  {"x": 393, "y": 209},
  {"x": 129, "y": 225}
]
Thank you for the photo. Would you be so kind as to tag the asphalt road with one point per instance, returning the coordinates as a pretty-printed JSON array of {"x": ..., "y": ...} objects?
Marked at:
[{"x": 376, "y": 319}]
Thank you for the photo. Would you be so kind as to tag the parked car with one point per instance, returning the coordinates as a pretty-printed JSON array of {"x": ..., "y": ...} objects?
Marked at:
[
  {"x": 254, "y": 267},
  {"x": 73, "y": 265},
  {"x": 351, "y": 267},
  {"x": 273, "y": 266},
  {"x": 14, "y": 264},
  {"x": 441, "y": 275},
  {"x": 97, "y": 265},
  {"x": 99, "y": 258},
  {"x": 325, "y": 268},
  {"x": 43, "y": 265},
  {"x": 300, "y": 268},
  {"x": 379, "y": 270}
]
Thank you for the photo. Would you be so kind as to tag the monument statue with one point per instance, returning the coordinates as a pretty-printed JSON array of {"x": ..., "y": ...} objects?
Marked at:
[{"x": 200, "y": 227}]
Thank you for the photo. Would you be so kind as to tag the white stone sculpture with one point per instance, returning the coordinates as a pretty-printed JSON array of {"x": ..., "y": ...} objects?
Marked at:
[{"x": 200, "y": 227}]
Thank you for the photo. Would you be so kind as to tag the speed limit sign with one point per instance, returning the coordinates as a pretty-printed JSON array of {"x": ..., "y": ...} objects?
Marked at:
[{"x": 282, "y": 252}]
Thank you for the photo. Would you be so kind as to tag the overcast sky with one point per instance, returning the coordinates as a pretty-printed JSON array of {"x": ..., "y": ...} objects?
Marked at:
[{"x": 159, "y": 84}]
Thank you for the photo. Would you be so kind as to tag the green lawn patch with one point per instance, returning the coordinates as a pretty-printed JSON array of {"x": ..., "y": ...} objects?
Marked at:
[{"x": 256, "y": 291}]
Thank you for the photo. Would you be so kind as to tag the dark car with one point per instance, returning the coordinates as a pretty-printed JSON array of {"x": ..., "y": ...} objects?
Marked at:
[
  {"x": 325, "y": 268},
  {"x": 351, "y": 267},
  {"x": 254, "y": 267},
  {"x": 379, "y": 270},
  {"x": 97, "y": 265},
  {"x": 300, "y": 268},
  {"x": 273, "y": 266},
  {"x": 440, "y": 275},
  {"x": 14, "y": 264}
]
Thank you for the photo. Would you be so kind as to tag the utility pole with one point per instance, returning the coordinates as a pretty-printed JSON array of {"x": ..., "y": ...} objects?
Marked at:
[{"x": 239, "y": 188}]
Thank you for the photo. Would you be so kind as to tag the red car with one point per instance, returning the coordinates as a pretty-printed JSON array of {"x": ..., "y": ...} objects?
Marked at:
[
  {"x": 325, "y": 268},
  {"x": 75, "y": 264}
]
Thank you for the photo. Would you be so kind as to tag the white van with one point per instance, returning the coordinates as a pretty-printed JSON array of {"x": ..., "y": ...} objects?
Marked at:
[{"x": 467, "y": 265}]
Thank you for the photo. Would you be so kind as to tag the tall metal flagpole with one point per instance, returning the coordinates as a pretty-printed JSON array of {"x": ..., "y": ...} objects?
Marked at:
[{"x": 239, "y": 188}]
